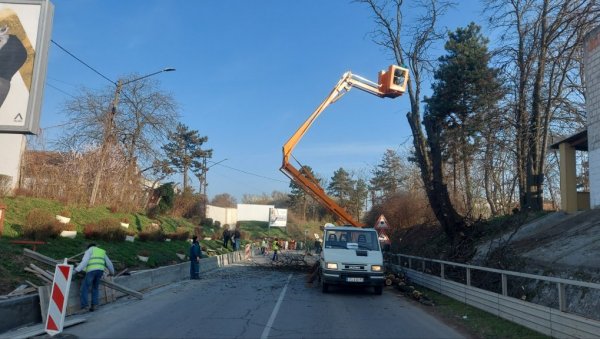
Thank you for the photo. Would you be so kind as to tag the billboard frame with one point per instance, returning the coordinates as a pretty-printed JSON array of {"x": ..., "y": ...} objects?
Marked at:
[{"x": 31, "y": 121}]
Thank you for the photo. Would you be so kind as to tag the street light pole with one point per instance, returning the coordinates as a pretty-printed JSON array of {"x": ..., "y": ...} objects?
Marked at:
[{"x": 108, "y": 130}]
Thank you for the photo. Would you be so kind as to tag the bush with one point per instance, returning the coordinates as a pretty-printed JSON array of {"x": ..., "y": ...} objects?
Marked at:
[
  {"x": 5, "y": 185},
  {"x": 188, "y": 205},
  {"x": 181, "y": 233},
  {"x": 105, "y": 229},
  {"x": 208, "y": 222},
  {"x": 65, "y": 213},
  {"x": 41, "y": 225},
  {"x": 152, "y": 235},
  {"x": 69, "y": 227}
]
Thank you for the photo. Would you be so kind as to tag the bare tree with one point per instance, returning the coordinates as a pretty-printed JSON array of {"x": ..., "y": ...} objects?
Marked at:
[
  {"x": 415, "y": 53},
  {"x": 140, "y": 122},
  {"x": 541, "y": 42}
]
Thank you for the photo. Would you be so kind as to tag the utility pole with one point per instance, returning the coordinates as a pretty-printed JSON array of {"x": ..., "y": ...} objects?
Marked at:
[
  {"x": 107, "y": 139},
  {"x": 108, "y": 130}
]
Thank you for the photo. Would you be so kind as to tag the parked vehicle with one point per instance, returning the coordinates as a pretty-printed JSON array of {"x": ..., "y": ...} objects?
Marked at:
[{"x": 351, "y": 256}]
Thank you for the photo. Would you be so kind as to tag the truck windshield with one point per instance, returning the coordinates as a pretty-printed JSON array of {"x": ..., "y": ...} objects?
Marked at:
[{"x": 365, "y": 240}]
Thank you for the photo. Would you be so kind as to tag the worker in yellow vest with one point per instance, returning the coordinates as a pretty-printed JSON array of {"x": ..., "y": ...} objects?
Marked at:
[
  {"x": 93, "y": 263},
  {"x": 275, "y": 248}
]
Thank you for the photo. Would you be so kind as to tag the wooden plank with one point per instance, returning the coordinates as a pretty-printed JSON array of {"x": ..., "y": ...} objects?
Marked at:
[
  {"x": 31, "y": 284},
  {"x": 44, "y": 293},
  {"x": 121, "y": 273},
  {"x": 32, "y": 331},
  {"x": 53, "y": 262},
  {"x": 40, "y": 257},
  {"x": 45, "y": 273},
  {"x": 22, "y": 291},
  {"x": 38, "y": 275},
  {"x": 123, "y": 289},
  {"x": 19, "y": 288}
]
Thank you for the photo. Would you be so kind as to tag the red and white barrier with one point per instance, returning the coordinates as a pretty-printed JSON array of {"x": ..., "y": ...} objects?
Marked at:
[
  {"x": 247, "y": 251},
  {"x": 58, "y": 298}
]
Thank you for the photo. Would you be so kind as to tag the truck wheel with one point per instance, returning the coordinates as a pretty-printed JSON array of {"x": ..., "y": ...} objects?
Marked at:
[{"x": 378, "y": 290}]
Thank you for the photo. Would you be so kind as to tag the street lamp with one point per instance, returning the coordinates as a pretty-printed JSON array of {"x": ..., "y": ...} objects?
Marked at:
[{"x": 109, "y": 126}]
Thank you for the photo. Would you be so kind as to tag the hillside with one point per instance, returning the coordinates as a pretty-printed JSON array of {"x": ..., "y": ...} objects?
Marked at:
[{"x": 123, "y": 253}]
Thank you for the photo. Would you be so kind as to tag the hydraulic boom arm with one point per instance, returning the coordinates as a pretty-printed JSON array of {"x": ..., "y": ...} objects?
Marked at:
[{"x": 391, "y": 84}]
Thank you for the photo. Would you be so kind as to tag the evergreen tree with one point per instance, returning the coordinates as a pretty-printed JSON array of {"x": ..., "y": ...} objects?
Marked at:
[
  {"x": 299, "y": 199},
  {"x": 387, "y": 176},
  {"x": 341, "y": 186},
  {"x": 464, "y": 91},
  {"x": 184, "y": 151}
]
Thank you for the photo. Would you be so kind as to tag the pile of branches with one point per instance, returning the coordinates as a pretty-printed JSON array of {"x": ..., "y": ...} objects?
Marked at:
[{"x": 402, "y": 283}]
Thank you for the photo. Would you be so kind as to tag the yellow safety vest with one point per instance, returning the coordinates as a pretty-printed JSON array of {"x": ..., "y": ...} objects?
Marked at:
[
  {"x": 96, "y": 261},
  {"x": 275, "y": 246}
]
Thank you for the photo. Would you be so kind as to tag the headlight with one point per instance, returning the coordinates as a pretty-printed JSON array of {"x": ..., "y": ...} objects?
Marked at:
[
  {"x": 376, "y": 268},
  {"x": 331, "y": 266}
]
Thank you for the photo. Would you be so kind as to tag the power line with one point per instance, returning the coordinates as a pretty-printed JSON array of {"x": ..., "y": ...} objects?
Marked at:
[
  {"x": 254, "y": 174},
  {"x": 84, "y": 63},
  {"x": 60, "y": 90}
]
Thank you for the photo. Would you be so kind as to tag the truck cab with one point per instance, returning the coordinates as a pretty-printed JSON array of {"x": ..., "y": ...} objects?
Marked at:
[{"x": 351, "y": 256}]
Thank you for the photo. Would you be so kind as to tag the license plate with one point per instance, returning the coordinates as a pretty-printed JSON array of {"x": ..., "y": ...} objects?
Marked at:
[{"x": 355, "y": 279}]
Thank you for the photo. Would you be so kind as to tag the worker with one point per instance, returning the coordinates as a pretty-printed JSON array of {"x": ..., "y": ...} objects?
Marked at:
[
  {"x": 195, "y": 254},
  {"x": 93, "y": 263},
  {"x": 275, "y": 248}
]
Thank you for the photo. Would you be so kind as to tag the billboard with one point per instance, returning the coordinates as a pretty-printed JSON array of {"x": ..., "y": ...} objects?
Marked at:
[
  {"x": 277, "y": 217},
  {"x": 25, "y": 27}
]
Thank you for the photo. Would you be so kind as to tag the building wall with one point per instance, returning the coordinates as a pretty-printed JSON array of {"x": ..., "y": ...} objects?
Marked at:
[
  {"x": 223, "y": 215},
  {"x": 11, "y": 152},
  {"x": 251, "y": 212},
  {"x": 592, "y": 79}
]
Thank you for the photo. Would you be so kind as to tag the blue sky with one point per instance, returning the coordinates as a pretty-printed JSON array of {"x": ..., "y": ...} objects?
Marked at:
[{"x": 248, "y": 74}]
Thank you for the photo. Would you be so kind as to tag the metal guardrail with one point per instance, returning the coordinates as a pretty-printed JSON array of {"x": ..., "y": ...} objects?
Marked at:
[{"x": 556, "y": 322}]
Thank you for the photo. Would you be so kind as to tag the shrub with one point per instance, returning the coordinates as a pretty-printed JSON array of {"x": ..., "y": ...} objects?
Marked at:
[
  {"x": 41, "y": 225},
  {"x": 166, "y": 196},
  {"x": 152, "y": 235},
  {"x": 144, "y": 253},
  {"x": 69, "y": 227},
  {"x": 5, "y": 184},
  {"x": 65, "y": 213},
  {"x": 217, "y": 224},
  {"x": 105, "y": 229},
  {"x": 188, "y": 205},
  {"x": 208, "y": 222},
  {"x": 181, "y": 233},
  {"x": 125, "y": 220}
]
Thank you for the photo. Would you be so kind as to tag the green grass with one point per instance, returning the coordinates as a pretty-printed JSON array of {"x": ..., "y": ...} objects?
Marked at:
[
  {"x": 479, "y": 323},
  {"x": 124, "y": 254},
  {"x": 260, "y": 229}
]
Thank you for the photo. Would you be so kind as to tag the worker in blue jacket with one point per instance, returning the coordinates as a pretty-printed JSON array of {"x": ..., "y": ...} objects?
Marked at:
[{"x": 195, "y": 255}]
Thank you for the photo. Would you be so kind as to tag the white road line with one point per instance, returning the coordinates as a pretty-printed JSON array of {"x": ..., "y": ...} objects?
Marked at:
[{"x": 267, "y": 329}]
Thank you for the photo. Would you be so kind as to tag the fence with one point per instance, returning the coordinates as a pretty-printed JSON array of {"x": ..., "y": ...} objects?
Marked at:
[{"x": 459, "y": 281}]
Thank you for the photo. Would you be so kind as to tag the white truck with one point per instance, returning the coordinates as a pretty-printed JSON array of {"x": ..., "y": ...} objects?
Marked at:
[{"x": 351, "y": 256}]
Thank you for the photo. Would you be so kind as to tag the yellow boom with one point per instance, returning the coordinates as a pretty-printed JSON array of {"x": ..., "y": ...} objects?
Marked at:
[{"x": 391, "y": 84}]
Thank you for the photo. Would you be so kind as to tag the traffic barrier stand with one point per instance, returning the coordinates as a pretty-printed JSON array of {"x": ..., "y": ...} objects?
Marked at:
[{"x": 57, "y": 307}]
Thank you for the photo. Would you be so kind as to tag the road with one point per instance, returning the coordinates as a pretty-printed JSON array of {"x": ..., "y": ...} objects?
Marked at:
[{"x": 250, "y": 301}]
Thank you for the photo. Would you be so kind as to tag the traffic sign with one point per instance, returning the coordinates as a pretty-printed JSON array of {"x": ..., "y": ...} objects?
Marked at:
[
  {"x": 59, "y": 297},
  {"x": 381, "y": 223}
]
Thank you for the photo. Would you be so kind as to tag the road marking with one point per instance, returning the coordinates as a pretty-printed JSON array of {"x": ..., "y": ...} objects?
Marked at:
[{"x": 267, "y": 329}]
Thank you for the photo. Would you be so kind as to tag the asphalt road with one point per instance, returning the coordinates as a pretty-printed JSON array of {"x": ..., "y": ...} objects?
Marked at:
[{"x": 247, "y": 301}]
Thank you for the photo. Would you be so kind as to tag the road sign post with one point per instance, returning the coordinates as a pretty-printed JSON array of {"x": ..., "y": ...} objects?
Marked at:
[{"x": 59, "y": 297}]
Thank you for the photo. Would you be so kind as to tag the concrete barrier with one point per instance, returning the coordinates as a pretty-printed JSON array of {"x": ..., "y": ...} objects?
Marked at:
[{"x": 21, "y": 311}]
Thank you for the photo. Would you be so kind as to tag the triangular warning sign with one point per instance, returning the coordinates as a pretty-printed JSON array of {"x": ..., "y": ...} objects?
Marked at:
[{"x": 381, "y": 223}]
